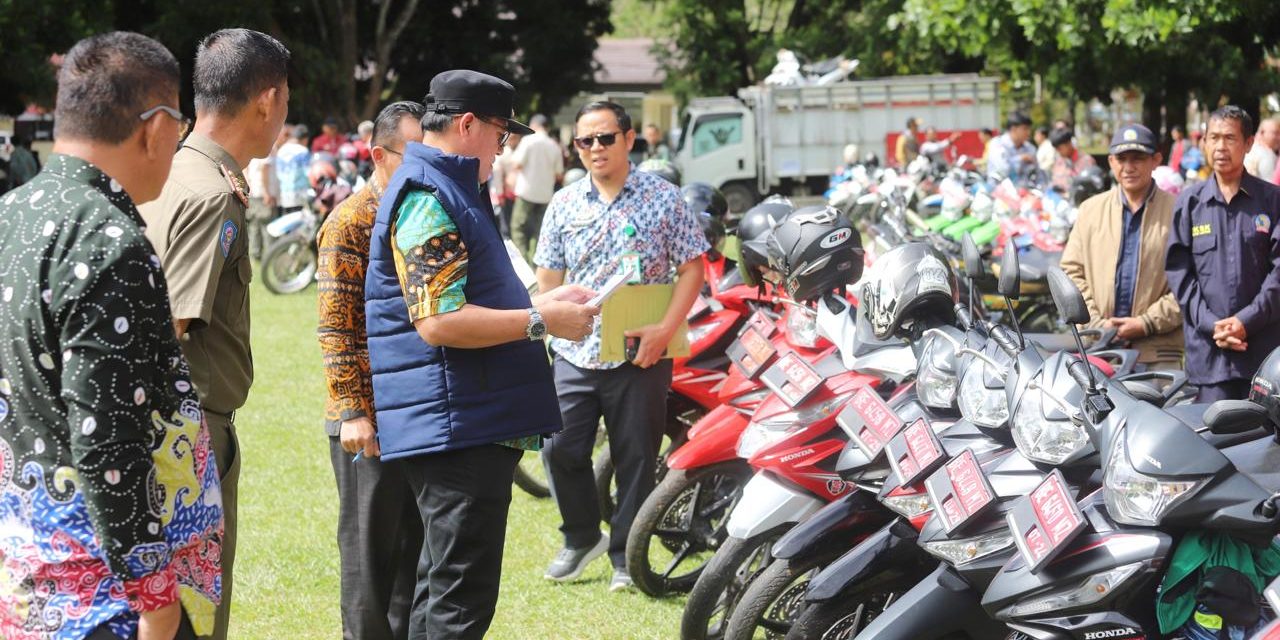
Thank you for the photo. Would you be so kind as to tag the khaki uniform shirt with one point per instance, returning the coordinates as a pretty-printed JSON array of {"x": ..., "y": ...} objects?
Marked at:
[{"x": 197, "y": 227}]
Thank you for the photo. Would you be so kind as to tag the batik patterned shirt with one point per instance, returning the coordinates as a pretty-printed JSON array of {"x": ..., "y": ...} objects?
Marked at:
[
  {"x": 344, "y": 260},
  {"x": 109, "y": 498},
  {"x": 431, "y": 264},
  {"x": 589, "y": 239}
]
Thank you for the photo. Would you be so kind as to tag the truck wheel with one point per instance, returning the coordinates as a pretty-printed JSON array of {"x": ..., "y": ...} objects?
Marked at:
[{"x": 740, "y": 197}]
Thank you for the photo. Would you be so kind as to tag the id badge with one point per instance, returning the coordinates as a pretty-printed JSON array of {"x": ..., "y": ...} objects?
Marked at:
[{"x": 631, "y": 266}]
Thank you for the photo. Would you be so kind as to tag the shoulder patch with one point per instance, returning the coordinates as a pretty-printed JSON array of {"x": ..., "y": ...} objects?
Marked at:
[{"x": 227, "y": 237}]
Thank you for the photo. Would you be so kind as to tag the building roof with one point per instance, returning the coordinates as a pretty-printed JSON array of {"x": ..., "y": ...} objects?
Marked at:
[{"x": 629, "y": 62}]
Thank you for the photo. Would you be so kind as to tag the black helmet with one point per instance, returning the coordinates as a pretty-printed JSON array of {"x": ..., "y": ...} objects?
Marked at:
[
  {"x": 753, "y": 236},
  {"x": 713, "y": 229},
  {"x": 909, "y": 281},
  {"x": 871, "y": 160},
  {"x": 816, "y": 249},
  {"x": 1265, "y": 389},
  {"x": 1087, "y": 184},
  {"x": 704, "y": 198},
  {"x": 661, "y": 168}
]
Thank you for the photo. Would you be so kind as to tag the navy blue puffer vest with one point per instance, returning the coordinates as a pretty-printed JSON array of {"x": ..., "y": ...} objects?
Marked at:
[{"x": 432, "y": 399}]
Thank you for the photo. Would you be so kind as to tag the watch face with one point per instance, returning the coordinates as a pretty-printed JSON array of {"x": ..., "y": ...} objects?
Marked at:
[{"x": 539, "y": 330}]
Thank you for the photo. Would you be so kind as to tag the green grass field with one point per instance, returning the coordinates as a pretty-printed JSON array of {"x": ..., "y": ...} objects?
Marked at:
[{"x": 287, "y": 557}]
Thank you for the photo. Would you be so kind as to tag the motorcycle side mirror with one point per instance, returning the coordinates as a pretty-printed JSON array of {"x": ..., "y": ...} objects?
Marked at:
[
  {"x": 1010, "y": 279},
  {"x": 1067, "y": 297},
  {"x": 972, "y": 258},
  {"x": 1226, "y": 417}
]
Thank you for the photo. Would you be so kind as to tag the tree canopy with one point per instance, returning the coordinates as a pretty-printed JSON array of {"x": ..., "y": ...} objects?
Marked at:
[{"x": 349, "y": 56}]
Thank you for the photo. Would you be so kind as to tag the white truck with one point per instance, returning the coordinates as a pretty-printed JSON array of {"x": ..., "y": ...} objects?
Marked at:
[{"x": 790, "y": 139}]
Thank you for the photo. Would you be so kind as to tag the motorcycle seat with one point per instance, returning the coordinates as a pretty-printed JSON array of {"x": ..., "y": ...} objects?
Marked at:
[
  {"x": 1192, "y": 415},
  {"x": 1258, "y": 460}
]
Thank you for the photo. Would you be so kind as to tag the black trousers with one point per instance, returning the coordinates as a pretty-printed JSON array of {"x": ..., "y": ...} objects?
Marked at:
[
  {"x": 462, "y": 497},
  {"x": 633, "y": 403},
  {"x": 379, "y": 540},
  {"x": 1227, "y": 390}
]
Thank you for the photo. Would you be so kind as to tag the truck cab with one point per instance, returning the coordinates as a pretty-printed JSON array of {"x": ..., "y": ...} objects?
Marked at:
[{"x": 718, "y": 146}]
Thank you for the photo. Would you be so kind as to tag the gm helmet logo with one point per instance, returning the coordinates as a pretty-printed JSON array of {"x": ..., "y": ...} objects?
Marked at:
[{"x": 836, "y": 238}]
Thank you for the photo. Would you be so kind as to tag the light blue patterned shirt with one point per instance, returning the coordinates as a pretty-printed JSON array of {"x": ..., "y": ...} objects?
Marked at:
[{"x": 587, "y": 238}]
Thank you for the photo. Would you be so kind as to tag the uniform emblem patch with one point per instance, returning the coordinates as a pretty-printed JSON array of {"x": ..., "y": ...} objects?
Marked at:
[
  {"x": 227, "y": 237},
  {"x": 1201, "y": 230},
  {"x": 1262, "y": 222}
]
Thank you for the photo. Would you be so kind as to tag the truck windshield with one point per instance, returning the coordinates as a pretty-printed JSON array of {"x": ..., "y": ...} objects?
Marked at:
[{"x": 684, "y": 133}]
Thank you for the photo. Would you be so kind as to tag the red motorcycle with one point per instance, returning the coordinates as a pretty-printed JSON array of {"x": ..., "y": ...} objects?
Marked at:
[{"x": 682, "y": 522}]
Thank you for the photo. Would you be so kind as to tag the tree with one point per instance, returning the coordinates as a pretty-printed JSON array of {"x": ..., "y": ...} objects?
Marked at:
[{"x": 349, "y": 56}]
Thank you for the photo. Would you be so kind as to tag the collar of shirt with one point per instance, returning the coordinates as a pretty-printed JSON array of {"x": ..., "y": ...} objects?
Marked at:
[
  {"x": 464, "y": 169},
  {"x": 1248, "y": 186},
  {"x": 82, "y": 171},
  {"x": 216, "y": 153},
  {"x": 628, "y": 185},
  {"x": 1124, "y": 202}
]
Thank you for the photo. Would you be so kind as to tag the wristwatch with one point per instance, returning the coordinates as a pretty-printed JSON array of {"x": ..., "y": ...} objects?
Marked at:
[{"x": 537, "y": 329}]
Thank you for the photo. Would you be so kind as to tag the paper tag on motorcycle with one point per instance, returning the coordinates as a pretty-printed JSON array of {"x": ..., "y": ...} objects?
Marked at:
[
  {"x": 792, "y": 379},
  {"x": 869, "y": 422},
  {"x": 1046, "y": 521},
  {"x": 960, "y": 491},
  {"x": 915, "y": 452},
  {"x": 751, "y": 352}
]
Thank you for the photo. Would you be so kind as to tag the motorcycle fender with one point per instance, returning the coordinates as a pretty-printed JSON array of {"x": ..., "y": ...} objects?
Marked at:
[
  {"x": 835, "y": 526},
  {"x": 940, "y": 605},
  {"x": 284, "y": 224},
  {"x": 893, "y": 547},
  {"x": 767, "y": 503},
  {"x": 714, "y": 441}
]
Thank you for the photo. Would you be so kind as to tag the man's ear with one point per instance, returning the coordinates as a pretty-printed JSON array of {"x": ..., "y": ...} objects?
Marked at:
[
  {"x": 378, "y": 155},
  {"x": 150, "y": 138},
  {"x": 631, "y": 139},
  {"x": 266, "y": 100},
  {"x": 465, "y": 124}
]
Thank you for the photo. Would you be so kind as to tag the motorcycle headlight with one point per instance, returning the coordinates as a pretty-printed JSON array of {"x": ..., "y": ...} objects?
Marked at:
[
  {"x": 935, "y": 377},
  {"x": 767, "y": 431},
  {"x": 959, "y": 552},
  {"x": 1041, "y": 439},
  {"x": 978, "y": 404},
  {"x": 908, "y": 506},
  {"x": 1137, "y": 498},
  {"x": 1090, "y": 590},
  {"x": 802, "y": 327}
]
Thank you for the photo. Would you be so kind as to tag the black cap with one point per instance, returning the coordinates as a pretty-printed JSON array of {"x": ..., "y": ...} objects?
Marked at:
[
  {"x": 462, "y": 91},
  {"x": 1133, "y": 137}
]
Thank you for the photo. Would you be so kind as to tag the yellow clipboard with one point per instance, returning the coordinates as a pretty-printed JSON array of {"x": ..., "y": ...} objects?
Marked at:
[{"x": 635, "y": 306}]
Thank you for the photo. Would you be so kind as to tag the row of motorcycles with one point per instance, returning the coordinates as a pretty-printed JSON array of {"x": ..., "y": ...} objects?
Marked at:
[
  {"x": 940, "y": 204},
  {"x": 872, "y": 453}
]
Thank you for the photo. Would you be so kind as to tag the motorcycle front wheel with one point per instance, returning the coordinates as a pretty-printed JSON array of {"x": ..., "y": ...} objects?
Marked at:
[
  {"x": 720, "y": 587},
  {"x": 289, "y": 265}
]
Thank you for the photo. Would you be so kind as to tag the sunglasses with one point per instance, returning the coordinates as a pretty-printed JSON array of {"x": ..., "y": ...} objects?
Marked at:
[
  {"x": 506, "y": 134},
  {"x": 184, "y": 123},
  {"x": 605, "y": 140}
]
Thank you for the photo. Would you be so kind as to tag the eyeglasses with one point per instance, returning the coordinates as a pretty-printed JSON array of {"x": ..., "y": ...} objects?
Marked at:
[
  {"x": 506, "y": 135},
  {"x": 184, "y": 123},
  {"x": 390, "y": 150},
  {"x": 605, "y": 140}
]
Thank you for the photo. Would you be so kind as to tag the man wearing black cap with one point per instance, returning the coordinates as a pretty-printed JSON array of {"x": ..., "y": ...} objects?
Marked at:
[
  {"x": 1115, "y": 254},
  {"x": 461, "y": 381},
  {"x": 1224, "y": 250}
]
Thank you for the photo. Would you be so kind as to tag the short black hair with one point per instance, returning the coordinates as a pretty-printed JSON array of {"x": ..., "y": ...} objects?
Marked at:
[
  {"x": 435, "y": 122},
  {"x": 107, "y": 81},
  {"x": 1017, "y": 119},
  {"x": 1060, "y": 136},
  {"x": 1043, "y": 130},
  {"x": 386, "y": 127},
  {"x": 624, "y": 119},
  {"x": 1177, "y": 128},
  {"x": 234, "y": 65},
  {"x": 1233, "y": 112},
  {"x": 912, "y": 121}
]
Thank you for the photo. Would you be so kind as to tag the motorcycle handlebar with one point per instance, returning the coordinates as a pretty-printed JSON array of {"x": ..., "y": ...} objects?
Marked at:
[{"x": 1079, "y": 371}]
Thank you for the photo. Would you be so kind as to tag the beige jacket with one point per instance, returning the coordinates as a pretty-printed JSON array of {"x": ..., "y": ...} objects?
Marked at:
[{"x": 1090, "y": 259}]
